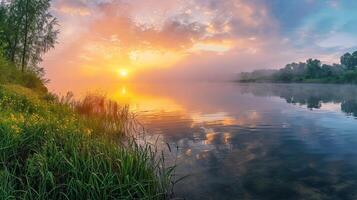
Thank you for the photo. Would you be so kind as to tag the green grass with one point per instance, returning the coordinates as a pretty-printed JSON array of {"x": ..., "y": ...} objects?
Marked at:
[
  {"x": 10, "y": 74},
  {"x": 53, "y": 149}
]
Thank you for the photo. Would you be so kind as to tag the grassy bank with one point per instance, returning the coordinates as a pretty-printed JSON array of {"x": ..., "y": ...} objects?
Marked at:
[
  {"x": 58, "y": 148},
  {"x": 50, "y": 150}
]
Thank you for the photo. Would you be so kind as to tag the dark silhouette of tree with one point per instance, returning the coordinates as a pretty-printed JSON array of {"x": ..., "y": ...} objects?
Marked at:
[
  {"x": 349, "y": 61},
  {"x": 346, "y": 60},
  {"x": 354, "y": 60},
  {"x": 313, "y": 68}
]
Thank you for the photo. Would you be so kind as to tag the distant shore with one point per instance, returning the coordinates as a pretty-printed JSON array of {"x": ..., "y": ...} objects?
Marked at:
[{"x": 311, "y": 71}]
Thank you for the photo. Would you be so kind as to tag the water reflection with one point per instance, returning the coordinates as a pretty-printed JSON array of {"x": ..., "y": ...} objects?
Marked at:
[
  {"x": 254, "y": 141},
  {"x": 311, "y": 95}
]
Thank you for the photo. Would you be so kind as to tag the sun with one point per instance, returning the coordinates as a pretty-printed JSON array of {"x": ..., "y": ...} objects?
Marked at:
[{"x": 123, "y": 73}]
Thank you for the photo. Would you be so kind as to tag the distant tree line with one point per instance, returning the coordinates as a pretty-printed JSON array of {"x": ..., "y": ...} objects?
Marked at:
[
  {"x": 27, "y": 32},
  {"x": 310, "y": 71}
]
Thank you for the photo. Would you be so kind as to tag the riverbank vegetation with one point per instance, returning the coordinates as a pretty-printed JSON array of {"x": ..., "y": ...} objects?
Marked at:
[
  {"x": 311, "y": 71},
  {"x": 49, "y": 151},
  {"x": 61, "y": 148}
]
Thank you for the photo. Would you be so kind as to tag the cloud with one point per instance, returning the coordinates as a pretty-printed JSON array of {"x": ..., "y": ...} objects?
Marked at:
[
  {"x": 73, "y": 8},
  {"x": 116, "y": 27},
  {"x": 192, "y": 37}
]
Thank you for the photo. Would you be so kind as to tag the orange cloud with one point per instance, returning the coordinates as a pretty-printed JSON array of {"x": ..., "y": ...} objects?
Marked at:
[{"x": 100, "y": 37}]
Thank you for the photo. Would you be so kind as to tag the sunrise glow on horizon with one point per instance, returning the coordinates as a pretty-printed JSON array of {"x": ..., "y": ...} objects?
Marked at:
[{"x": 192, "y": 39}]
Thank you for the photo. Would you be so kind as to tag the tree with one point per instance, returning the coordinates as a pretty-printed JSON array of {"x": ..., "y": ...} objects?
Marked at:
[
  {"x": 346, "y": 72},
  {"x": 30, "y": 31},
  {"x": 3, "y": 17},
  {"x": 346, "y": 59},
  {"x": 326, "y": 70},
  {"x": 354, "y": 60},
  {"x": 313, "y": 68},
  {"x": 11, "y": 29},
  {"x": 39, "y": 34},
  {"x": 349, "y": 60}
]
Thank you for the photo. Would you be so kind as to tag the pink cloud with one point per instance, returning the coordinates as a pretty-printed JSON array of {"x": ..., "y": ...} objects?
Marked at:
[{"x": 214, "y": 37}]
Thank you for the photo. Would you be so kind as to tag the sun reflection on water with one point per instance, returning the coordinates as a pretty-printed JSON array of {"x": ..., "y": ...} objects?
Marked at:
[
  {"x": 199, "y": 133},
  {"x": 223, "y": 136}
]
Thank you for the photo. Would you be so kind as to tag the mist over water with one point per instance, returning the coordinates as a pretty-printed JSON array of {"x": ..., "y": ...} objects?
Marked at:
[{"x": 254, "y": 141}]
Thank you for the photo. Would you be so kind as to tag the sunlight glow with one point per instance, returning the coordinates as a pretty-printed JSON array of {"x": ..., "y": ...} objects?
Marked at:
[
  {"x": 142, "y": 58},
  {"x": 123, "y": 73},
  {"x": 123, "y": 90},
  {"x": 125, "y": 95}
]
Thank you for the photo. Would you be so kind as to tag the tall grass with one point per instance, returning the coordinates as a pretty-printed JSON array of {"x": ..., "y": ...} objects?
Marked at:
[
  {"x": 103, "y": 115},
  {"x": 9, "y": 73},
  {"x": 60, "y": 149}
]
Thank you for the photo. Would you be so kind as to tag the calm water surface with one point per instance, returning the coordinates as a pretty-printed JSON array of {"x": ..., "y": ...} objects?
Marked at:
[{"x": 254, "y": 141}]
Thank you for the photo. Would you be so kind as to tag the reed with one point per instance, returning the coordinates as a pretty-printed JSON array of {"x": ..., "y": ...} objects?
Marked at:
[{"x": 103, "y": 115}]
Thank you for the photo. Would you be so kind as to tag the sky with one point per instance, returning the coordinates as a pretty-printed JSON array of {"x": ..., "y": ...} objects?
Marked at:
[{"x": 107, "y": 41}]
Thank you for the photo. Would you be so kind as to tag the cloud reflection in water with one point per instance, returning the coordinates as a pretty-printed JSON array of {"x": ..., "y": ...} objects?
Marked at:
[{"x": 255, "y": 141}]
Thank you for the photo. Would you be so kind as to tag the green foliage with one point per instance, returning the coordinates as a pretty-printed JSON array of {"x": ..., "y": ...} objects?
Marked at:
[
  {"x": 349, "y": 61},
  {"x": 10, "y": 74},
  {"x": 48, "y": 151},
  {"x": 27, "y": 31},
  {"x": 312, "y": 71},
  {"x": 350, "y": 76},
  {"x": 52, "y": 148}
]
